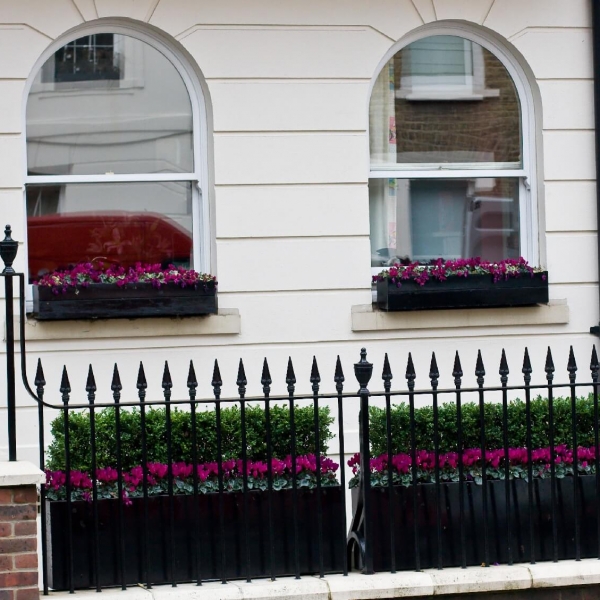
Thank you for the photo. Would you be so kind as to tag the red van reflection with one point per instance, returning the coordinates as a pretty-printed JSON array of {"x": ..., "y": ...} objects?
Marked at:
[{"x": 60, "y": 241}]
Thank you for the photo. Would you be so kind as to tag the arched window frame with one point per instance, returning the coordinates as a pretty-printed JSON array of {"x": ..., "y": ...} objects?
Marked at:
[
  {"x": 527, "y": 174},
  {"x": 199, "y": 177}
]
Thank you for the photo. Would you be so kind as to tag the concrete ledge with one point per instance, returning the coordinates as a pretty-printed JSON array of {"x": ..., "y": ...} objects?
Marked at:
[
  {"x": 367, "y": 318},
  {"x": 356, "y": 586},
  {"x": 226, "y": 322},
  {"x": 14, "y": 474}
]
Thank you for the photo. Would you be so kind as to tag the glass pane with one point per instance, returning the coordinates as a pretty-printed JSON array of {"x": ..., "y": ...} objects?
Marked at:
[
  {"x": 425, "y": 219},
  {"x": 445, "y": 99},
  {"x": 108, "y": 103},
  {"x": 113, "y": 222}
]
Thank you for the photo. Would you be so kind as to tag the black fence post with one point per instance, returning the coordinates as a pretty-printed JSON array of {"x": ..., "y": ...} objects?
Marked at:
[
  {"x": 363, "y": 371},
  {"x": 8, "y": 252}
]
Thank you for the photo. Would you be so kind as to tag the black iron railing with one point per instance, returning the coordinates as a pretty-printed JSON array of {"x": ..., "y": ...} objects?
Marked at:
[{"x": 242, "y": 487}]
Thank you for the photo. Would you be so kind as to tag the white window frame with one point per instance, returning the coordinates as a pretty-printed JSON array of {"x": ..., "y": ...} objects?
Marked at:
[
  {"x": 524, "y": 171},
  {"x": 199, "y": 177}
]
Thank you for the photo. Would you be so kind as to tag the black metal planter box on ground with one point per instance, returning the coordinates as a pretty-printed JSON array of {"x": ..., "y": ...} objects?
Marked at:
[
  {"x": 131, "y": 301},
  {"x": 474, "y": 291},
  {"x": 473, "y": 523},
  {"x": 183, "y": 553}
]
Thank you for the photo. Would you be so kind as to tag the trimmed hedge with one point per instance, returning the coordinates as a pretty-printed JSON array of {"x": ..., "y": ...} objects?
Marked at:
[
  {"x": 156, "y": 436},
  {"x": 517, "y": 428}
]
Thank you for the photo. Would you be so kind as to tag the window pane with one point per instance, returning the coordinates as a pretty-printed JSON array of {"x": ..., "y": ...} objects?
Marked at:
[
  {"x": 108, "y": 103},
  {"x": 445, "y": 99},
  {"x": 118, "y": 223},
  {"x": 425, "y": 219}
]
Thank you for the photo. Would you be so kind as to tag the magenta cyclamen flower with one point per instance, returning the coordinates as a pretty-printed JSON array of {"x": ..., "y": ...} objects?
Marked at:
[
  {"x": 84, "y": 274},
  {"x": 441, "y": 269},
  {"x": 156, "y": 477}
]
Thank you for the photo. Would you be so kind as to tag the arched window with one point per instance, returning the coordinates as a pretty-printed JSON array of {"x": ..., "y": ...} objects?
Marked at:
[
  {"x": 450, "y": 145},
  {"x": 115, "y": 163}
]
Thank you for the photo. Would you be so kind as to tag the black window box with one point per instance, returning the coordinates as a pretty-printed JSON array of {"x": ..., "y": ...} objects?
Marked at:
[
  {"x": 131, "y": 301},
  {"x": 473, "y": 291}
]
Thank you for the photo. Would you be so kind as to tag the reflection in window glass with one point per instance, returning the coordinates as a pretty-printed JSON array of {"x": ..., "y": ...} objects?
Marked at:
[
  {"x": 109, "y": 103},
  {"x": 425, "y": 219},
  {"x": 118, "y": 223},
  {"x": 445, "y": 99}
]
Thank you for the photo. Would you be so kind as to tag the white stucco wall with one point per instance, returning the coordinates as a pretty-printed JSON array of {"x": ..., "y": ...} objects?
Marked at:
[{"x": 289, "y": 84}]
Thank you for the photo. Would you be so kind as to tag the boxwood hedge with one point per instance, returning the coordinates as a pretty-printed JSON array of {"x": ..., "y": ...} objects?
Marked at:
[
  {"x": 156, "y": 435},
  {"x": 517, "y": 428}
]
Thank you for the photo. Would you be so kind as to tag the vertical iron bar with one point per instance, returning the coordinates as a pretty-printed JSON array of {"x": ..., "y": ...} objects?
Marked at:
[
  {"x": 527, "y": 379},
  {"x": 116, "y": 388},
  {"x": 65, "y": 390},
  {"x": 192, "y": 384},
  {"x": 266, "y": 383},
  {"x": 241, "y": 383},
  {"x": 434, "y": 376},
  {"x": 503, "y": 371},
  {"x": 387, "y": 386},
  {"x": 141, "y": 387},
  {"x": 594, "y": 368},
  {"x": 410, "y": 379},
  {"x": 363, "y": 371},
  {"x": 290, "y": 379},
  {"x": 40, "y": 382},
  {"x": 480, "y": 374},
  {"x": 11, "y": 402},
  {"x": 217, "y": 383},
  {"x": 549, "y": 368},
  {"x": 339, "y": 386},
  {"x": 167, "y": 385},
  {"x": 90, "y": 388},
  {"x": 315, "y": 379},
  {"x": 457, "y": 373},
  {"x": 8, "y": 252},
  {"x": 572, "y": 368}
]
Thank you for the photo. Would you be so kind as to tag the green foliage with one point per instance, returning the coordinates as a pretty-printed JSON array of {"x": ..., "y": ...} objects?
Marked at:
[
  {"x": 181, "y": 427},
  {"x": 517, "y": 428}
]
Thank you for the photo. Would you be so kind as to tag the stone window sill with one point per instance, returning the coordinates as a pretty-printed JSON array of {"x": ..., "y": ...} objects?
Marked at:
[
  {"x": 226, "y": 322},
  {"x": 366, "y": 317}
]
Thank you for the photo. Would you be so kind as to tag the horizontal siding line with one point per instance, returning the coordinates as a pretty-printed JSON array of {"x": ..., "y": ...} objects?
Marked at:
[
  {"x": 576, "y": 232},
  {"x": 290, "y": 79},
  {"x": 310, "y": 185},
  {"x": 563, "y": 284},
  {"x": 569, "y": 180},
  {"x": 293, "y": 236},
  {"x": 568, "y": 79},
  {"x": 350, "y": 236},
  {"x": 392, "y": 336},
  {"x": 568, "y": 129},
  {"x": 296, "y": 133},
  {"x": 302, "y": 291},
  {"x": 294, "y": 183},
  {"x": 275, "y": 132}
]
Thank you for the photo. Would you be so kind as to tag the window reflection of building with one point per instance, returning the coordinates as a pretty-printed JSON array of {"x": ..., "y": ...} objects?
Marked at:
[
  {"x": 453, "y": 182},
  {"x": 110, "y": 131}
]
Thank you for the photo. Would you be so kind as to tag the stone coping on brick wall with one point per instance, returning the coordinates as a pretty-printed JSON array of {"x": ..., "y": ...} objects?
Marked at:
[
  {"x": 20, "y": 472},
  {"x": 407, "y": 584}
]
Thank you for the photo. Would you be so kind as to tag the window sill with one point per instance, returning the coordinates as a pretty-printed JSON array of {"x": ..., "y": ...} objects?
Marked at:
[
  {"x": 366, "y": 317},
  {"x": 226, "y": 322}
]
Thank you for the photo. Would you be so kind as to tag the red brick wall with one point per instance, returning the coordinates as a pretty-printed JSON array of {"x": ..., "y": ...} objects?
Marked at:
[{"x": 18, "y": 543}]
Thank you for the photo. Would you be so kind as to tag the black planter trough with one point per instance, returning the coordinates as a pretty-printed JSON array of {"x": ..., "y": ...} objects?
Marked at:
[
  {"x": 474, "y": 291},
  {"x": 131, "y": 301},
  {"x": 498, "y": 524},
  {"x": 179, "y": 562}
]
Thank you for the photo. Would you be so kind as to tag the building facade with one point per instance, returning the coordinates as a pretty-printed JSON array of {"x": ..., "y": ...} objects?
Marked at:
[{"x": 293, "y": 150}]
